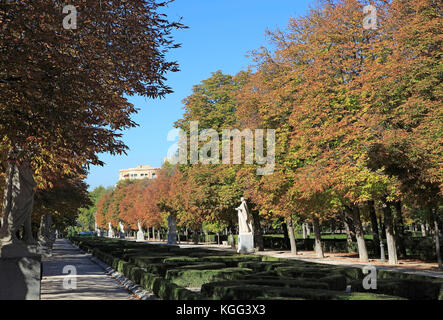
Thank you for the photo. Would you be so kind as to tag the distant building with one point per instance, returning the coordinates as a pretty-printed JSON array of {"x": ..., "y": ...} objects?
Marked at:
[{"x": 141, "y": 172}]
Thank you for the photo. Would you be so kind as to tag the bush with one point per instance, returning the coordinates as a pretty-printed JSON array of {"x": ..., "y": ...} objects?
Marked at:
[
  {"x": 297, "y": 272},
  {"x": 406, "y": 288},
  {"x": 231, "y": 261},
  {"x": 166, "y": 290},
  {"x": 335, "y": 282},
  {"x": 262, "y": 266},
  {"x": 196, "y": 278},
  {"x": 239, "y": 291}
]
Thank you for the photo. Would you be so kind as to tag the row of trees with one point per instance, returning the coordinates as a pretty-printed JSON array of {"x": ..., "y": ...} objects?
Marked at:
[{"x": 357, "y": 114}]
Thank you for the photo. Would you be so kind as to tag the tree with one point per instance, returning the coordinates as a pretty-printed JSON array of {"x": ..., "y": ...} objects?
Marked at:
[
  {"x": 56, "y": 82},
  {"x": 87, "y": 215}
]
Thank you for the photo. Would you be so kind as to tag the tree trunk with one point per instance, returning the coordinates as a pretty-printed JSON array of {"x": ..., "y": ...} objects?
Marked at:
[
  {"x": 374, "y": 226},
  {"x": 318, "y": 244},
  {"x": 390, "y": 239},
  {"x": 195, "y": 236},
  {"x": 350, "y": 230},
  {"x": 434, "y": 219},
  {"x": 258, "y": 232},
  {"x": 308, "y": 229},
  {"x": 291, "y": 235},
  {"x": 285, "y": 235},
  {"x": 359, "y": 234},
  {"x": 400, "y": 230},
  {"x": 304, "y": 229}
]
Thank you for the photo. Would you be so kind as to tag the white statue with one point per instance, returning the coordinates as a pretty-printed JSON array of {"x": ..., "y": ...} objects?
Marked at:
[
  {"x": 122, "y": 229},
  {"x": 244, "y": 223},
  {"x": 245, "y": 230},
  {"x": 140, "y": 233},
  {"x": 110, "y": 232}
]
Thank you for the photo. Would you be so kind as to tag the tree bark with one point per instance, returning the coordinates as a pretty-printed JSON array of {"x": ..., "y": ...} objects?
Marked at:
[
  {"x": 390, "y": 239},
  {"x": 354, "y": 211},
  {"x": 291, "y": 235},
  {"x": 434, "y": 218},
  {"x": 400, "y": 230},
  {"x": 374, "y": 226},
  {"x": 350, "y": 230},
  {"x": 304, "y": 229},
  {"x": 318, "y": 244},
  {"x": 258, "y": 232},
  {"x": 285, "y": 235},
  {"x": 195, "y": 236}
]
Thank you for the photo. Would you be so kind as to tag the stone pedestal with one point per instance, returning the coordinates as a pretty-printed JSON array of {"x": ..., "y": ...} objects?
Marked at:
[
  {"x": 245, "y": 243},
  {"x": 140, "y": 236},
  {"x": 172, "y": 232},
  {"x": 20, "y": 278}
]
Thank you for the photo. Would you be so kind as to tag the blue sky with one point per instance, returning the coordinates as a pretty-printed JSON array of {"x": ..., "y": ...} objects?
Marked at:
[{"x": 220, "y": 34}]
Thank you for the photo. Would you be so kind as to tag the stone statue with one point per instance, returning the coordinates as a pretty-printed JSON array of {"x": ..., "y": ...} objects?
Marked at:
[
  {"x": 245, "y": 230},
  {"x": 17, "y": 208},
  {"x": 244, "y": 223},
  {"x": 122, "y": 229},
  {"x": 110, "y": 232},
  {"x": 98, "y": 231},
  {"x": 140, "y": 232}
]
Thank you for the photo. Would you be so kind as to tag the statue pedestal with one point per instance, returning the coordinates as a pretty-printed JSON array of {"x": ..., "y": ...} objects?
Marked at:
[
  {"x": 140, "y": 236},
  {"x": 245, "y": 243},
  {"x": 20, "y": 273},
  {"x": 172, "y": 237},
  {"x": 172, "y": 232}
]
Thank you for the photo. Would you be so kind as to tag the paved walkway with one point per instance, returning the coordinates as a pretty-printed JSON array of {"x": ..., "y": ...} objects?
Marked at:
[{"x": 92, "y": 281}]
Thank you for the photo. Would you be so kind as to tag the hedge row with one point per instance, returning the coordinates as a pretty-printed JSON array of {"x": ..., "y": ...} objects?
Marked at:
[{"x": 168, "y": 271}]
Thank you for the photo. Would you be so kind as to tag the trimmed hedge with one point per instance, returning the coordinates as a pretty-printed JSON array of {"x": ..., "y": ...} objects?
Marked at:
[
  {"x": 241, "y": 291},
  {"x": 406, "y": 288},
  {"x": 167, "y": 271},
  {"x": 166, "y": 290},
  {"x": 196, "y": 278}
]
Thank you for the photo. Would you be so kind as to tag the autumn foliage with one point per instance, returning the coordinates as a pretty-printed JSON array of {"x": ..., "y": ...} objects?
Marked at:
[{"x": 357, "y": 114}]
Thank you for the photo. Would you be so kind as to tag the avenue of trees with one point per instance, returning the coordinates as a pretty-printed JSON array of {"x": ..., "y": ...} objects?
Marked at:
[{"x": 357, "y": 114}]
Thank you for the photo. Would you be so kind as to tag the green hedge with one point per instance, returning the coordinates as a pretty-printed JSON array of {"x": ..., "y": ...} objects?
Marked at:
[
  {"x": 407, "y": 288},
  {"x": 165, "y": 289},
  {"x": 168, "y": 270},
  {"x": 242, "y": 291},
  {"x": 197, "y": 277}
]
